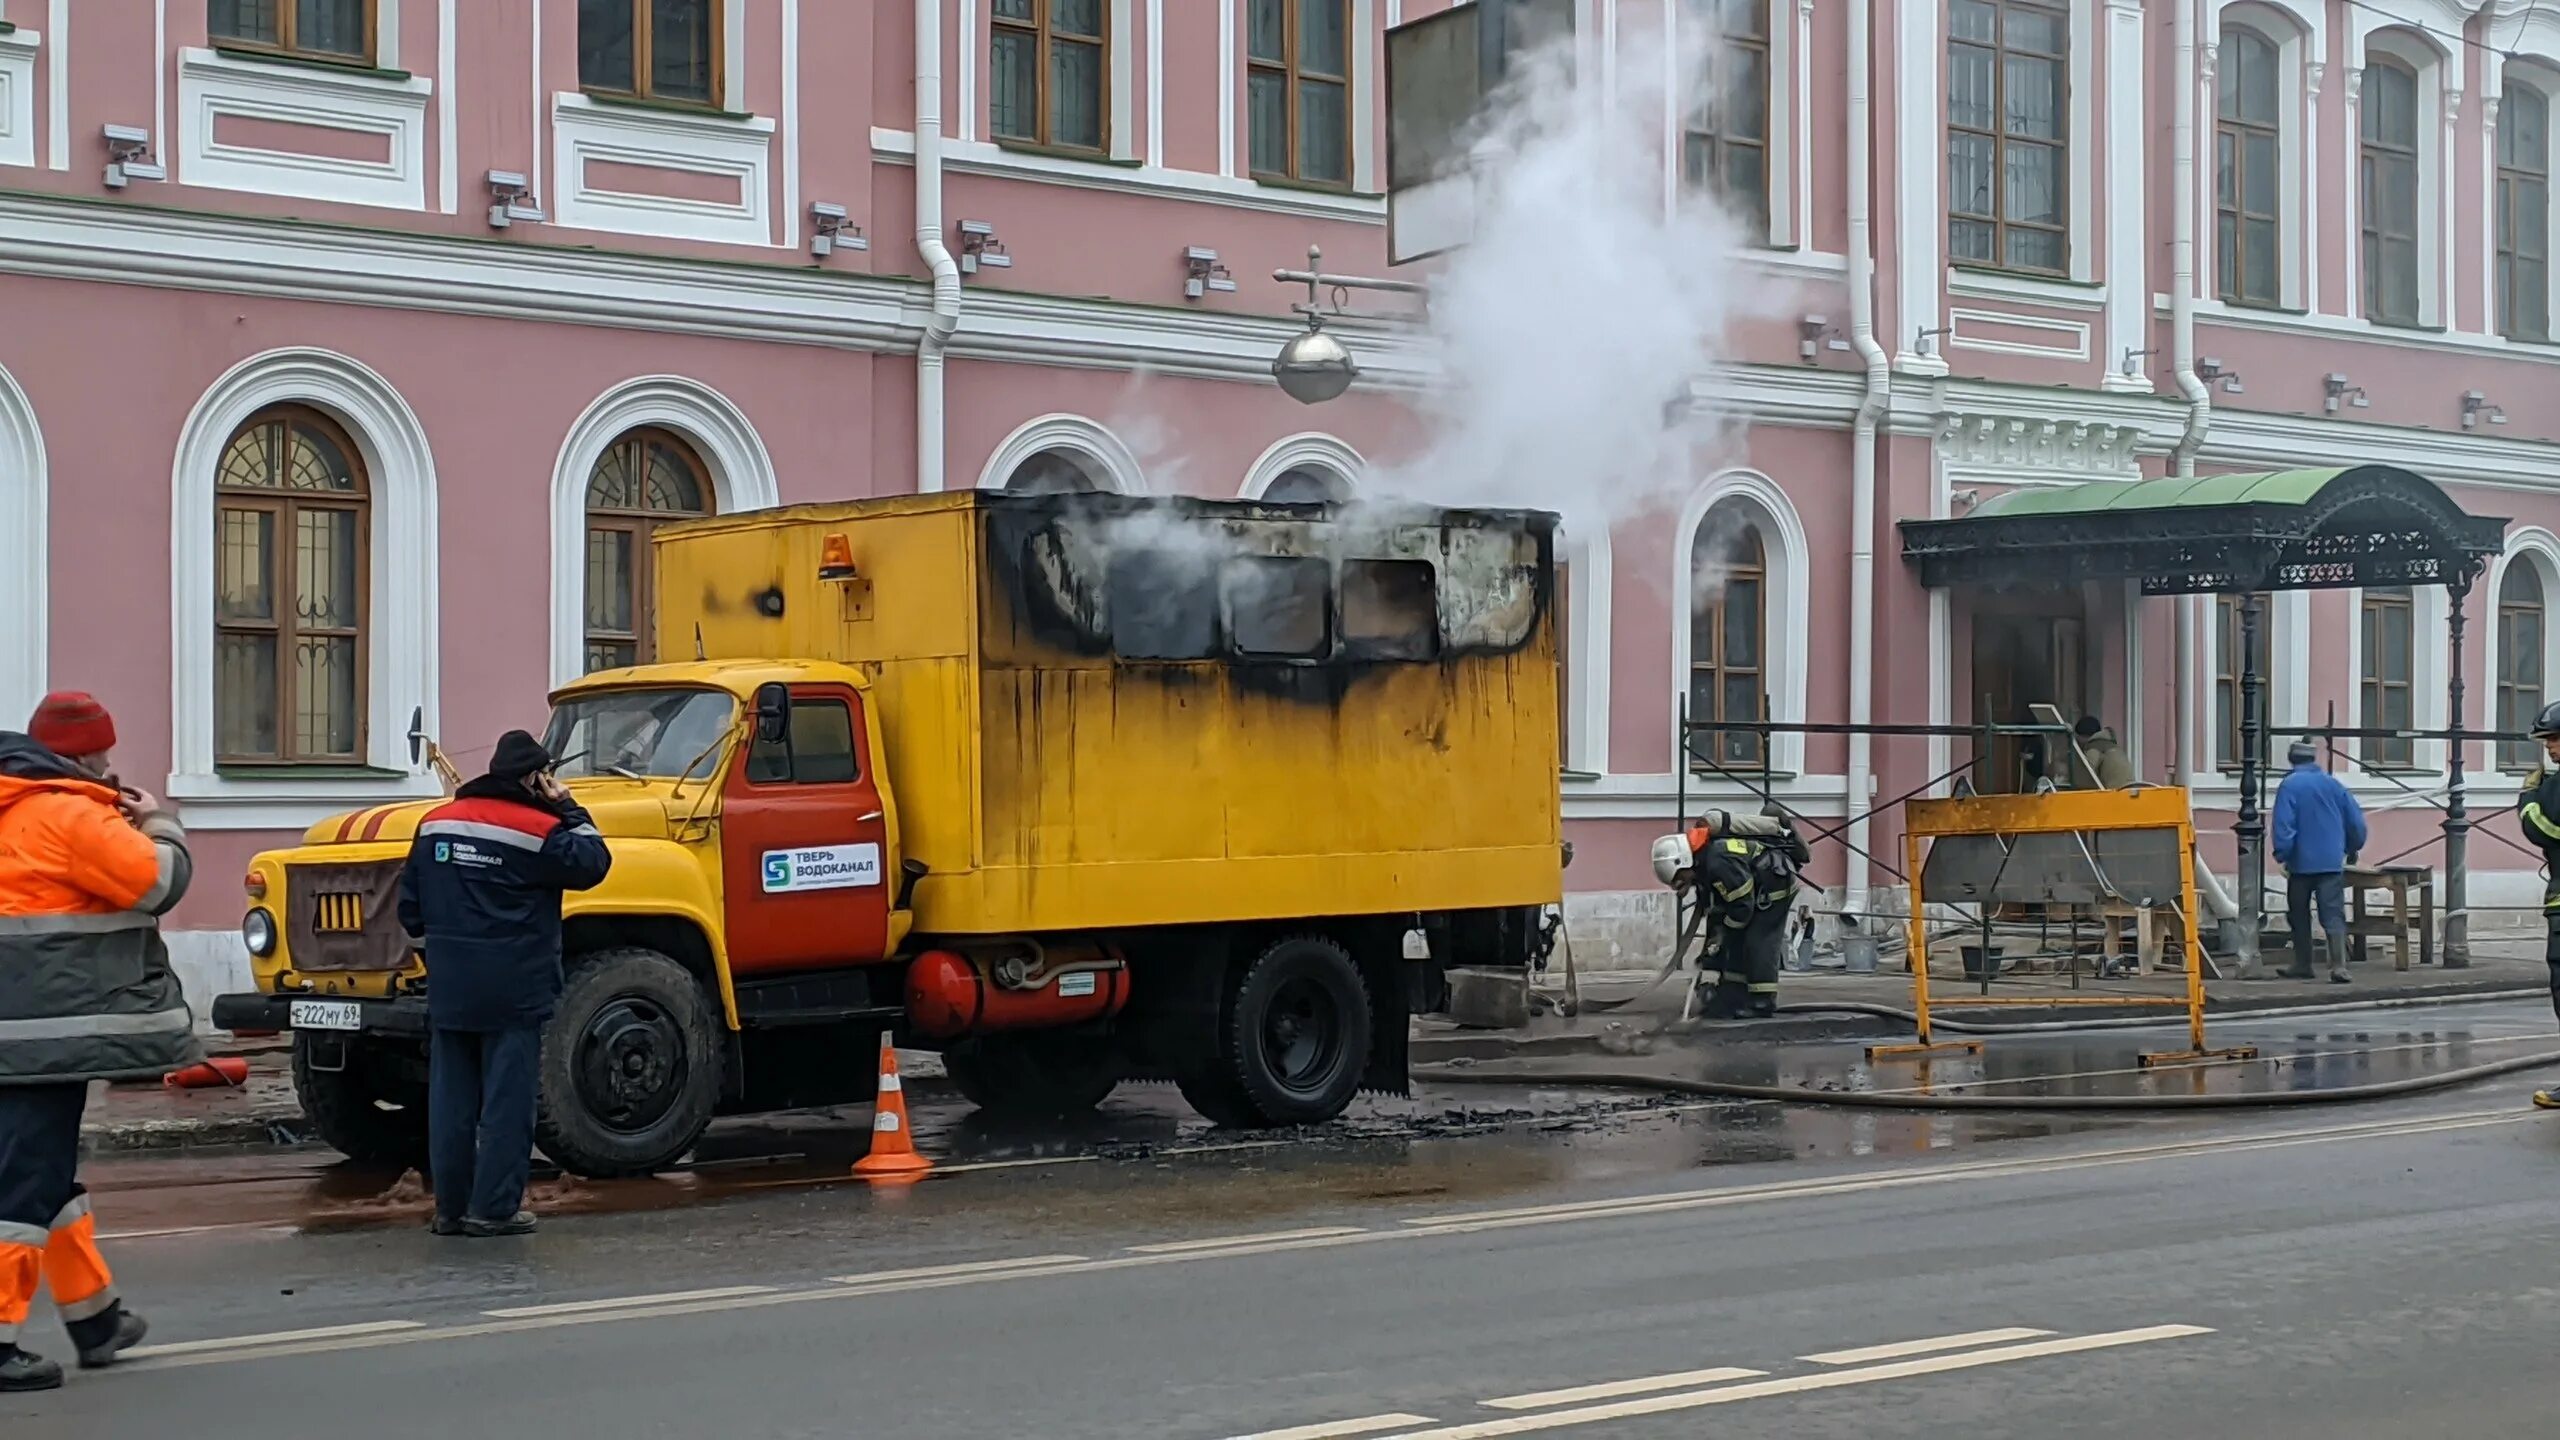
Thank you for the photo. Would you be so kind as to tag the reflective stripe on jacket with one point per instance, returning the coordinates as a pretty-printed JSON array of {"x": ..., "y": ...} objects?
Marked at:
[
  {"x": 86, "y": 992},
  {"x": 482, "y": 888}
]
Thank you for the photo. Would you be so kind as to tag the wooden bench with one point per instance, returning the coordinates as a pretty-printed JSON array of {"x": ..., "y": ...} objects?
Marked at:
[{"x": 2412, "y": 889}]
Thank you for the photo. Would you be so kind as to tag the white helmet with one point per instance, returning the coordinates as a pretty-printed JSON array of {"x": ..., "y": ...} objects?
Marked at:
[{"x": 1671, "y": 860}]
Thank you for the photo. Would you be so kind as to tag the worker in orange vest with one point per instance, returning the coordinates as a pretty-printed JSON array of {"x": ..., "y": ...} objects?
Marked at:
[{"x": 86, "y": 993}]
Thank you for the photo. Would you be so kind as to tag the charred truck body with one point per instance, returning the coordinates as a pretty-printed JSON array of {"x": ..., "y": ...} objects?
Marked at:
[{"x": 1075, "y": 789}]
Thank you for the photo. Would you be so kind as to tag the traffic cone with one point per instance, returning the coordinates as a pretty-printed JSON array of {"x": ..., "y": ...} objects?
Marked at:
[
  {"x": 893, "y": 1159},
  {"x": 230, "y": 1070}
]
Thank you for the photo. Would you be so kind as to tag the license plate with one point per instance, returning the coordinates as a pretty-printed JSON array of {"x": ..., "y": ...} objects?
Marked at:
[{"x": 327, "y": 1015}]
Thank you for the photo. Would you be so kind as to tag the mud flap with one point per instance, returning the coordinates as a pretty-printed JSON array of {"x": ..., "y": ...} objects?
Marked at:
[{"x": 1390, "y": 1023}]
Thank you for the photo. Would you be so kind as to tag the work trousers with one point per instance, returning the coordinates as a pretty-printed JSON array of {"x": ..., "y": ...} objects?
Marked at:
[
  {"x": 47, "y": 1236},
  {"x": 1746, "y": 959},
  {"x": 480, "y": 1107},
  {"x": 2330, "y": 891},
  {"x": 2551, "y": 934}
]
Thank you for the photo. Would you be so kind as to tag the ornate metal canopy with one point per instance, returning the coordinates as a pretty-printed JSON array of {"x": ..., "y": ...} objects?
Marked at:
[{"x": 2289, "y": 530}]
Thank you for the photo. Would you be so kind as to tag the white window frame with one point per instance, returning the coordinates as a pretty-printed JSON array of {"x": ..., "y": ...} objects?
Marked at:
[
  {"x": 1102, "y": 455},
  {"x": 2300, "y": 34},
  {"x": 1787, "y": 562},
  {"x": 1789, "y": 159},
  {"x": 2084, "y": 282},
  {"x": 401, "y": 634},
  {"x": 742, "y": 479},
  {"x": 2540, "y": 68},
  {"x": 2287, "y": 613},
  {"x": 24, "y": 548},
  {"x": 2439, "y": 108},
  {"x": 1586, "y": 671},
  {"x": 977, "y": 77},
  {"x": 1308, "y": 450},
  {"x": 2539, "y": 548}
]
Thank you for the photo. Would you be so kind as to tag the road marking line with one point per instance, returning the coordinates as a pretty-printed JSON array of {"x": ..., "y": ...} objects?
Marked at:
[
  {"x": 1800, "y": 1384},
  {"x": 581, "y": 1307},
  {"x": 193, "y": 1230},
  {"x": 863, "y": 1287},
  {"x": 1338, "y": 1429},
  {"x": 939, "y": 1272},
  {"x": 278, "y": 1337},
  {"x": 1869, "y": 1354},
  {"x": 1541, "y": 1399},
  {"x": 1186, "y": 1247}
]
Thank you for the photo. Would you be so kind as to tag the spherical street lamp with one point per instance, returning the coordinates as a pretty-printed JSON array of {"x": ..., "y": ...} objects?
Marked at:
[{"x": 1314, "y": 367}]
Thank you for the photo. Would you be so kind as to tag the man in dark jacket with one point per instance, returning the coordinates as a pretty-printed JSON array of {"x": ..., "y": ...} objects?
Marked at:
[
  {"x": 483, "y": 888},
  {"x": 87, "y": 867},
  {"x": 1746, "y": 877},
  {"x": 2319, "y": 826}
]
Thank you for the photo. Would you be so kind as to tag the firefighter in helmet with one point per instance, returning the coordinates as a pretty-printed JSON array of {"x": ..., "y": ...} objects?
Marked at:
[
  {"x": 1744, "y": 870},
  {"x": 2540, "y": 817}
]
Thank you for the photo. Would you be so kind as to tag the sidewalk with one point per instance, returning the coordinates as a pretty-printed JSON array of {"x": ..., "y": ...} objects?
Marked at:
[{"x": 264, "y": 1112}]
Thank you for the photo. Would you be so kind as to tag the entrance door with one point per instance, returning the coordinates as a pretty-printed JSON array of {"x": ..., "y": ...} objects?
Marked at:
[
  {"x": 2028, "y": 653},
  {"x": 804, "y": 845}
]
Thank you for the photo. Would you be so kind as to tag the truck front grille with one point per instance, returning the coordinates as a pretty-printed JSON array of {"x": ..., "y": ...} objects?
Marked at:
[
  {"x": 338, "y": 912},
  {"x": 345, "y": 916}
]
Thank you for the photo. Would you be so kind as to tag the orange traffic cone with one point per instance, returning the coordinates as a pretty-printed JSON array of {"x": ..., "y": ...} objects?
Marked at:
[
  {"x": 228, "y": 1070},
  {"x": 893, "y": 1159}
]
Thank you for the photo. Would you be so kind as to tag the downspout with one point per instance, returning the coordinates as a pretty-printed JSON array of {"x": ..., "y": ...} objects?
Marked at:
[
  {"x": 2182, "y": 285},
  {"x": 944, "y": 318},
  {"x": 1862, "y": 454}
]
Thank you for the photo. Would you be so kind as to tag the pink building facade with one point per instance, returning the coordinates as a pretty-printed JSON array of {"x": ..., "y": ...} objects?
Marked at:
[{"x": 352, "y": 347}]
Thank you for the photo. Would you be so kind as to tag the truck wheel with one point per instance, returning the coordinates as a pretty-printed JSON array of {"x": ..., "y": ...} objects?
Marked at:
[
  {"x": 630, "y": 1066},
  {"x": 356, "y": 1114},
  {"x": 1293, "y": 1039},
  {"x": 1032, "y": 1076}
]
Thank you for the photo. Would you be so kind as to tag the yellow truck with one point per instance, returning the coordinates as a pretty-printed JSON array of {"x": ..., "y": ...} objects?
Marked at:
[{"x": 1074, "y": 789}]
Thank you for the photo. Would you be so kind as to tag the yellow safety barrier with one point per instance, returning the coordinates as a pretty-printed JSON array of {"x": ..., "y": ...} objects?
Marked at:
[{"x": 2015, "y": 823}]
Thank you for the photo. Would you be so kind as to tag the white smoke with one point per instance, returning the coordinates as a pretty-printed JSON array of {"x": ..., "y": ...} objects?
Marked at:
[{"x": 1569, "y": 328}]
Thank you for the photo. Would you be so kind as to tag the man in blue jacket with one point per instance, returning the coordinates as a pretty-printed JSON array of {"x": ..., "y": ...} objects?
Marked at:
[
  {"x": 483, "y": 888},
  {"x": 2319, "y": 827}
]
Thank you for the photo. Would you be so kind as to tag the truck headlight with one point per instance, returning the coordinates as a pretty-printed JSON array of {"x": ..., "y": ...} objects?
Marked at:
[{"x": 258, "y": 932}]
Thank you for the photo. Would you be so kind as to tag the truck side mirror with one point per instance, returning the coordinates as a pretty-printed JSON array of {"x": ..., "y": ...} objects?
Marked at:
[{"x": 773, "y": 713}]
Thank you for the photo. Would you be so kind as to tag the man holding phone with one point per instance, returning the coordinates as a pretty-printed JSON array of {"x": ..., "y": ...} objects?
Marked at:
[{"x": 482, "y": 889}]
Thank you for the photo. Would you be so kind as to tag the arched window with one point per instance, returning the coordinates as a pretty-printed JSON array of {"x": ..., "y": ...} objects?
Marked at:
[
  {"x": 2520, "y": 652},
  {"x": 645, "y": 479},
  {"x": 291, "y": 575},
  {"x": 1306, "y": 485},
  {"x": 1053, "y": 472},
  {"x": 1728, "y": 632},
  {"x": 2524, "y": 215},
  {"x": 2388, "y": 191},
  {"x": 2248, "y": 183}
]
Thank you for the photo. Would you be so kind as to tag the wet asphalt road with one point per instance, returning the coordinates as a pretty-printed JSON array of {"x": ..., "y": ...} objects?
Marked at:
[{"x": 1531, "y": 1264}]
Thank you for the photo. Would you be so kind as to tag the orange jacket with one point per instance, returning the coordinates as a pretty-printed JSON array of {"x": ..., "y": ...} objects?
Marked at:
[
  {"x": 66, "y": 850},
  {"x": 86, "y": 992}
]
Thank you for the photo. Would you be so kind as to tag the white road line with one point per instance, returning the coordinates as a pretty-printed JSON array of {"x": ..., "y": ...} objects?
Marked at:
[
  {"x": 1869, "y": 1354},
  {"x": 1338, "y": 1429},
  {"x": 941, "y": 1277},
  {"x": 1223, "y": 1242},
  {"x": 582, "y": 1307},
  {"x": 1800, "y": 1384},
  {"x": 277, "y": 1337},
  {"x": 1541, "y": 1399},
  {"x": 194, "y": 1230},
  {"x": 975, "y": 1267}
]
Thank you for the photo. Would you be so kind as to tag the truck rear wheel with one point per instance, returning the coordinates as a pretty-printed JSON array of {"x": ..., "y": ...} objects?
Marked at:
[
  {"x": 358, "y": 1112},
  {"x": 1033, "y": 1076},
  {"x": 1293, "y": 1039},
  {"x": 630, "y": 1066}
]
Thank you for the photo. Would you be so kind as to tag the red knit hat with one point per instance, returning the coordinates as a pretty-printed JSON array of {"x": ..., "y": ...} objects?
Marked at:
[{"x": 72, "y": 722}]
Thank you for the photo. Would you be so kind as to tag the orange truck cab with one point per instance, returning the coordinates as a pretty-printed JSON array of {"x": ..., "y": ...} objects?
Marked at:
[{"x": 1073, "y": 789}]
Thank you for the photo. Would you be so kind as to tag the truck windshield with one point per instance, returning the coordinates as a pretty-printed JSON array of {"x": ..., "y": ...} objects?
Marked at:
[{"x": 654, "y": 733}]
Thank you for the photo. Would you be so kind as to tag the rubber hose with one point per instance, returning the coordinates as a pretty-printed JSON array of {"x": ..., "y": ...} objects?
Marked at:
[
  {"x": 1876, "y": 1100},
  {"x": 2129, "y": 1022}
]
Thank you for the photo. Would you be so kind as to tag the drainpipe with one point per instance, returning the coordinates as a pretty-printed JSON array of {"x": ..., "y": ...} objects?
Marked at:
[
  {"x": 2250, "y": 829},
  {"x": 945, "y": 315},
  {"x": 2182, "y": 287},
  {"x": 1862, "y": 453}
]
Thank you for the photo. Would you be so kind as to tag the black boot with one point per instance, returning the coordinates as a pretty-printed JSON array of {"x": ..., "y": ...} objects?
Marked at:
[
  {"x": 20, "y": 1371},
  {"x": 102, "y": 1339}
]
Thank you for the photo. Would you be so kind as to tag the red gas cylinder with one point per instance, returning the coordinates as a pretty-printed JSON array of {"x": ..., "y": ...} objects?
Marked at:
[{"x": 949, "y": 994}]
